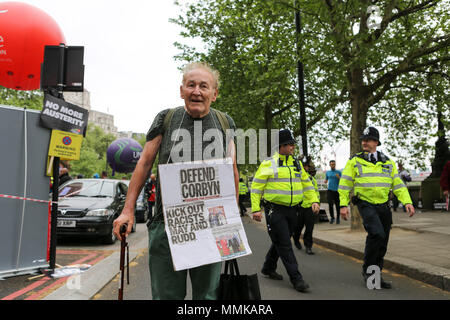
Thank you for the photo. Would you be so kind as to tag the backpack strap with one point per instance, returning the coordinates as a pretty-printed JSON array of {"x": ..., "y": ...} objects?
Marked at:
[
  {"x": 224, "y": 123},
  {"x": 168, "y": 118}
]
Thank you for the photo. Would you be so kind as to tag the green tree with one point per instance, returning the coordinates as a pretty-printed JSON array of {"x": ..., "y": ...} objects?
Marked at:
[
  {"x": 249, "y": 43},
  {"x": 18, "y": 98},
  {"x": 364, "y": 65},
  {"x": 354, "y": 69}
]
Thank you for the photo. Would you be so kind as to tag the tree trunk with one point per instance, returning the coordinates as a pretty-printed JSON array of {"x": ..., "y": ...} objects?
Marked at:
[{"x": 359, "y": 107}]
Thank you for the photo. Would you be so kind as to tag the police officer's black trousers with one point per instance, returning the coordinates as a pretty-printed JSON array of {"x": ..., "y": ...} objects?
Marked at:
[
  {"x": 333, "y": 200},
  {"x": 377, "y": 220},
  {"x": 305, "y": 219},
  {"x": 242, "y": 207},
  {"x": 281, "y": 223}
]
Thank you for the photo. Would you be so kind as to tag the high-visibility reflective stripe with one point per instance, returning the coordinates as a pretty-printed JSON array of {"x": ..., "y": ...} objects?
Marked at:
[
  {"x": 347, "y": 178},
  {"x": 308, "y": 188},
  {"x": 257, "y": 191},
  {"x": 283, "y": 192},
  {"x": 259, "y": 180},
  {"x": 373, "y": 185},
  {"x": 359, "y": 167},
  {"x": 275, "y": 168},
  {"x": 306, "y": 180},
  {"x": 345, "y": 187},
  {"x": 401, "y": 185},
  {"x": 283, "y": 180},
  {"x": 375, "y": 174}
]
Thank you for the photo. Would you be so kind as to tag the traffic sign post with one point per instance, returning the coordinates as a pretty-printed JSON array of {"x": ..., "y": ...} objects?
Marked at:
[{"x": 62, "y": 70}]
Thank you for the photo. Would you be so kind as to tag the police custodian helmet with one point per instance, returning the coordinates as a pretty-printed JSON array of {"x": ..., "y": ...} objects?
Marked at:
[
  {"x": 285, "y": 137},
  {"x": 371, "y": 133}
]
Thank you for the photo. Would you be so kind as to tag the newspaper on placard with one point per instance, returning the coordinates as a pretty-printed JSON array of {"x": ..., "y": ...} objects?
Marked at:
[{"x": 201, "y": 216}]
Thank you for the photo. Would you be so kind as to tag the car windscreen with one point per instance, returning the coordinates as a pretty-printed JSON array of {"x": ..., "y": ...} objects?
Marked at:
[{"x": 88, "y": 189}]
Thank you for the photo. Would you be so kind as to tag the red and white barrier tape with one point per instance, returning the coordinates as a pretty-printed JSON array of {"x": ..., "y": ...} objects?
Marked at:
[{"x": 26, "y": 199}]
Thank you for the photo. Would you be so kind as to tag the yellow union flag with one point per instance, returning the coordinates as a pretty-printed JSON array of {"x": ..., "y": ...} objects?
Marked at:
[{"x": 65, "y": 145}]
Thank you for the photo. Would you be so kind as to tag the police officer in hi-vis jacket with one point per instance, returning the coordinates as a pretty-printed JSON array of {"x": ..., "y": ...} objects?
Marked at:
[
  {"x": 371, "y": 175},
  {"x": 283, "y": 183}
]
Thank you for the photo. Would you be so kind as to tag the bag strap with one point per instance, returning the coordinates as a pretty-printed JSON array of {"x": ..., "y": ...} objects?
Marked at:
[
  {"x": 234, "y": 268},
  {"x": 224, "y": 123},
  {"x": 168, "y": 118}
]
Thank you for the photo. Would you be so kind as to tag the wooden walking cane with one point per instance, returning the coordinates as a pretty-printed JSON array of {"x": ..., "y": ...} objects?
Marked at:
[{"x": 123, "y": 246}]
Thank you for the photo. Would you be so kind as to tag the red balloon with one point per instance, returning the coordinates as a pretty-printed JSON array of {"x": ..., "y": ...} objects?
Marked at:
[{"x": 24, "y": 32}]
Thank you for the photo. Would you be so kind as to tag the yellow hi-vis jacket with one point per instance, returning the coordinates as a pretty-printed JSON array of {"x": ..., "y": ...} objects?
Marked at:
[
  {"x": 242, "y": 188},
  {"x": 371, "y": 182},
  {"x": 279, "y": 182},
  {"x": 306, "y": 203}
]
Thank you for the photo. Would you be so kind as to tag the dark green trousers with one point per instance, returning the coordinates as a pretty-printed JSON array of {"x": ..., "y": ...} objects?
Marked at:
[{"x": 168, "y": 284}]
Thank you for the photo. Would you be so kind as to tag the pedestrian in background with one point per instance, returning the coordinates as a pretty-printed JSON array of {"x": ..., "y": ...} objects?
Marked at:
[
  {"x": 306, "y": 214},
  {"x": 64, "y": 175},
  {"x": 371, "y": 175},
  {"x": 150, "y": 195},
  {"x": 332, "y": 179},
  {"x": 243, "y": 190},
  {"x": 283, "y": 183},
  {"x": 406, "y": 177}
]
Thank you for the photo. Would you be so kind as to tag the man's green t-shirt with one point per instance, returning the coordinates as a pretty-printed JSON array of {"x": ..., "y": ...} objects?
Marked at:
[{"x": 182, "y": 120}]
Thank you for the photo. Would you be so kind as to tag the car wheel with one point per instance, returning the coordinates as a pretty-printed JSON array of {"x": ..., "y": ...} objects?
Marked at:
[{"x": 110, "y": 238}]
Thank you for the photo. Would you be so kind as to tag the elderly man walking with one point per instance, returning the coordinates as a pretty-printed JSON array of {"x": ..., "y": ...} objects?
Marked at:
[
  {"x": 199, "y": 89},
  {"x": 283, "y": 183}
]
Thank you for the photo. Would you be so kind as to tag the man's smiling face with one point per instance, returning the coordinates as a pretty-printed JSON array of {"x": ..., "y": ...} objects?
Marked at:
[{"x": 198, "y": 92}]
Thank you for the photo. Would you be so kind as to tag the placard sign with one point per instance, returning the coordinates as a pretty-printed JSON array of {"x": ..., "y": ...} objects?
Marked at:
[
  {"x": 61, "y": 115},
  {"x": 201, "y": 216}
]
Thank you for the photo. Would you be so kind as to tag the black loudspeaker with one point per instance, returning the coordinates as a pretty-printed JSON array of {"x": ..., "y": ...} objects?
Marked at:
[
  {"x": 74, "y": 69},
  {"x": 50, "y": 68},
  {"x": 65, "y": 62}
]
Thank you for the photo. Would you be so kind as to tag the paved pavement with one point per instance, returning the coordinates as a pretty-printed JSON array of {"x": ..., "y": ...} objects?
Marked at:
[{"x": 418, "y": 248}]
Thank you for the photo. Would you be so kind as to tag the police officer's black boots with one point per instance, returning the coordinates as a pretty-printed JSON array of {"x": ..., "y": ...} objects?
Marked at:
[
  {"x": 297, "y": 244},
  {"x": 272, "y": 275},
  {"x": 385, "y": 285},
  {"x": 301, "y": 286}
]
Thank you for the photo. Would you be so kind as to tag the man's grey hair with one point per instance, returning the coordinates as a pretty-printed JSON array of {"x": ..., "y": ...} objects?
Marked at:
[{"x": 202, "y": 65}]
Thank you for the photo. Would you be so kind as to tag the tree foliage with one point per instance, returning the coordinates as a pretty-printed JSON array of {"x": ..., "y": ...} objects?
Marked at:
[
  {"x": 25, "y": 99},
  {"x": 394, "y": 75}
]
